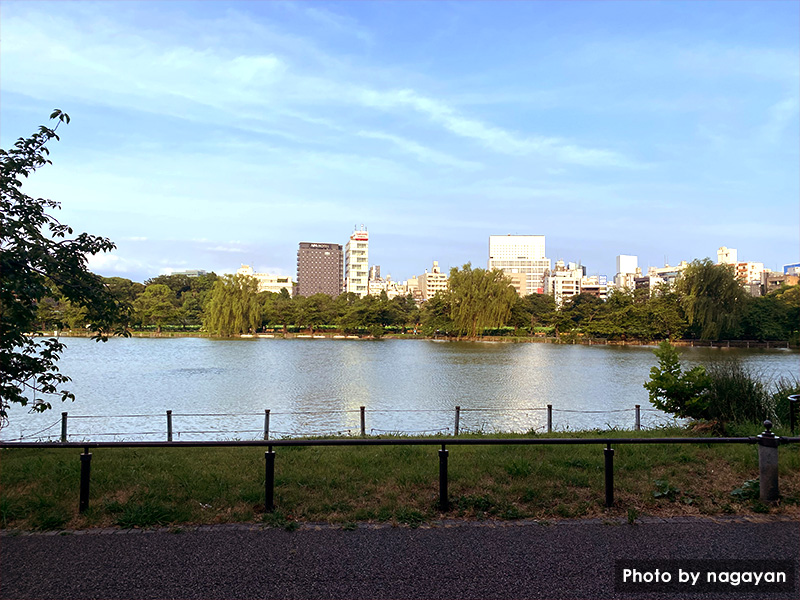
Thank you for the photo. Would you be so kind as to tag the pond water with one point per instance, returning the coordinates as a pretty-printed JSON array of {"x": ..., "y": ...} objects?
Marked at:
[{"x": 219, "y": 389}]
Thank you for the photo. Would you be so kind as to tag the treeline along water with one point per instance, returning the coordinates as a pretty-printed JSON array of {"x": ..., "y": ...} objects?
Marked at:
[{"x": 316, "y": 386}]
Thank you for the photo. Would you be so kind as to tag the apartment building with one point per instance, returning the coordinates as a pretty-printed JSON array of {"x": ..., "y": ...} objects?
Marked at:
[
  {"x": 563, "y": 281},
  {"x": 431, "y": 282}
]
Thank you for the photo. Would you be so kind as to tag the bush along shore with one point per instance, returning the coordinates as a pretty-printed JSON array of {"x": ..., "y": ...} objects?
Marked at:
[{"x": 147, "y": 487}]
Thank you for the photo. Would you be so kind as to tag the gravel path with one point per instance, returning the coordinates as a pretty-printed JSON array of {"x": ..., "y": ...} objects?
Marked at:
[{"x": 568, "y": 559}]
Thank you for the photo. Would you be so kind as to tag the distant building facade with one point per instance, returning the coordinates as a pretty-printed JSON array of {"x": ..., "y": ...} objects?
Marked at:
[
  {"x": 563, "y": 281},
  {"x": 667, "y": 273},
  {"x": 319, "y": 269},
  {"x": 430, "y": 283},
  {"x": 267, "y": 282},
  {"x": 791, "y": 269},
  {"x": 191, "y": 273},
  {"x": 627, "y": 271},
  {"x": 356, "y": 263},
  {"x": 525, "y": 254},
  {"x": 727, "y": 256}
]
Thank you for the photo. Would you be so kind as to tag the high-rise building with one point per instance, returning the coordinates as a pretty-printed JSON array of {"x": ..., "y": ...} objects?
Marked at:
[
  {"x": 319, "y": 269},
  {"x": 627, "y": 263},
  {"x": 356, "y": 263},
  {"x": 520, "y": 254},
  {"x": 627, "y": 271}
]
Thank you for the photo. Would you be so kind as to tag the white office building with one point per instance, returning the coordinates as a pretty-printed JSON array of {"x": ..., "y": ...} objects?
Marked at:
[
  {"x": 267, "y": 282},
  {"x": 627, "y": 270},
  {"x": 520, "y": 254},
  {"x": 356, "y": 263}
]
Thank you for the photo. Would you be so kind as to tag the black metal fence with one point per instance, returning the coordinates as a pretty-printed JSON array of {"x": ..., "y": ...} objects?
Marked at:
[{"x": 767, "y": 442}]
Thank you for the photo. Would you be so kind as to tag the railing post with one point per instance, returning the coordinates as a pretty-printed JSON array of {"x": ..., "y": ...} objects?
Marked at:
[
  {"x": 269, "y": 480},
  {"x": 768, "y": 465},
  {"x": 169, "y": 425},
  {"x": 86, "y": 471},
  {"x": 458, "y": 417},
  {"x": 443, "y": 503},
  {"x": 363, "y": 422},
  {"x": 63, "y": 427},
  {"x": 609, "y": 456},
  {"x": 549, "y": 418},
  {"x": 638, "y": 418},
  {"x": 792, "y": 411},
  {"x": 266, "y": 424}
]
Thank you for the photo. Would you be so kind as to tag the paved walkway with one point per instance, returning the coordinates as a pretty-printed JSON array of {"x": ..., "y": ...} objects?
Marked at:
[{"x": 567, "y": 559}]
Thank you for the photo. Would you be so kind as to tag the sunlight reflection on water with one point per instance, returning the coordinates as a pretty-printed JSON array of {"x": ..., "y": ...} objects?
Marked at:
[{"x": 316, "y": 386}]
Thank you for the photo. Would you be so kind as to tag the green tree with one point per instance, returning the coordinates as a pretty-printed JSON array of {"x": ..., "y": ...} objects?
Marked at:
[
  {"x": 41, "y": 257},
  {"x": 675, "y": 392},
  {"x": 156, "y": 306},
  {"x": 314, "y": 311},
  {"x": 711, "y": 298},
  {"x": 435, "y": 315},
  {"x": 478, "y": 299},
  {"x": 234, "y": 307}
]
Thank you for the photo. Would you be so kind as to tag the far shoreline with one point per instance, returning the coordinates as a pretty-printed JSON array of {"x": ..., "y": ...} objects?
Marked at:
[{"x": 565, "y": 340}]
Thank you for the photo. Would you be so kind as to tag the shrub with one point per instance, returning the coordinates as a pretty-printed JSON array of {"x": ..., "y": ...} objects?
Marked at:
[
  {"x": 738, "y": 394},
  {"x": 782, "y": 389},
  {"x": 671, "y": 390}
]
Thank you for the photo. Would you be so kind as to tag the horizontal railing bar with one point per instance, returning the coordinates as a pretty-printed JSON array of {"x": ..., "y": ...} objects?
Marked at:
[{"x": 395, "y": 442}]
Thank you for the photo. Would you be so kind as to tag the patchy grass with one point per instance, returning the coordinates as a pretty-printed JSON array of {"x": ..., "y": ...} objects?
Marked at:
[{"x": 148, "y": 487}]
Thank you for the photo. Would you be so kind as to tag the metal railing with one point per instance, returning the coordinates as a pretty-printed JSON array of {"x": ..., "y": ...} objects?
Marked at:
[{"x": 767, "y": 455}]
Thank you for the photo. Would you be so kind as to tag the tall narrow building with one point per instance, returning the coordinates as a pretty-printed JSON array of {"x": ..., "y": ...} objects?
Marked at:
[
  {"x": 319, "y": 269},
  {"x": 518, "y": 255},
  {"x": 356, "y": 263}
]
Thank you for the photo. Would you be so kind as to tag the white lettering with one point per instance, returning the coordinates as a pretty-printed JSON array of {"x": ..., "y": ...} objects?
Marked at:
[
  {"x": 636, "y": 576},
  {"x": 688, "y": 577}
]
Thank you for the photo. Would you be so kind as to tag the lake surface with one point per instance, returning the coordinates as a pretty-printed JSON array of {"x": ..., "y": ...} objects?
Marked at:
[{"x": 219, "y": 389}]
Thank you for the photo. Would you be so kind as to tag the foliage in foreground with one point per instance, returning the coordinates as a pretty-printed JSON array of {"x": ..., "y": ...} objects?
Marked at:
[
  {"x": 725, "y": 392},
  {"x": 41, "y": 259}
]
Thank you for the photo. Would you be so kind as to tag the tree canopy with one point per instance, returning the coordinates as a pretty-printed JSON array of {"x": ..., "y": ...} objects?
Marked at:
[
  {"x": 478, "y": 299},
  {"x": 711, "y": 297},
  {"x": 40, "y": 258},
  {"x": 234, "y": 306}
]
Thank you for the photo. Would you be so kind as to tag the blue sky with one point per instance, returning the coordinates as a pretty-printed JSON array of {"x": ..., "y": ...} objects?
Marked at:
[{"x": 205, "y": 135}]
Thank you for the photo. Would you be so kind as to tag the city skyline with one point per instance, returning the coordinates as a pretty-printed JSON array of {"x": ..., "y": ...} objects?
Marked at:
[{"x": 205, "y": 135}]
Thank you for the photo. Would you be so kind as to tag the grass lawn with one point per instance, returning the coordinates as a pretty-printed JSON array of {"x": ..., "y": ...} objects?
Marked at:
[{"x": 398, "y": 484}]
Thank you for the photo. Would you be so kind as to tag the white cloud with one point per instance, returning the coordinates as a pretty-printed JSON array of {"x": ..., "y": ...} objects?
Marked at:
[
  {"x": 780, "y": 117},
  {"x": 226, "y": 249},
  {"x": 109, "y": 262},
  {"x": 423, "y": 153},
  {"x": 495, "y": 138}
]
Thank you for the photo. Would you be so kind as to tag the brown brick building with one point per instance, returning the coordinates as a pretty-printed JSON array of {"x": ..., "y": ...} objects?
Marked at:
[{"x": 319, "y": 269}]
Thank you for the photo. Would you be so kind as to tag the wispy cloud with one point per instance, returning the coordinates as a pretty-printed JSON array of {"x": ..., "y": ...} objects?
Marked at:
[
  {"x": 423, "y": 153},
  {"x": 493, "y": 137},
  {"x": 780, "y": 117},
  {"x": 227, "y": 249}
]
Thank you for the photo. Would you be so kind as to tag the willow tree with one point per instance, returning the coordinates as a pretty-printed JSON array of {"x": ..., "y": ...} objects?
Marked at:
[
  {"x": 479, "y": 299},
  {"x": 234, "y": 306},
  {"x": 711, "y": 298}
]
